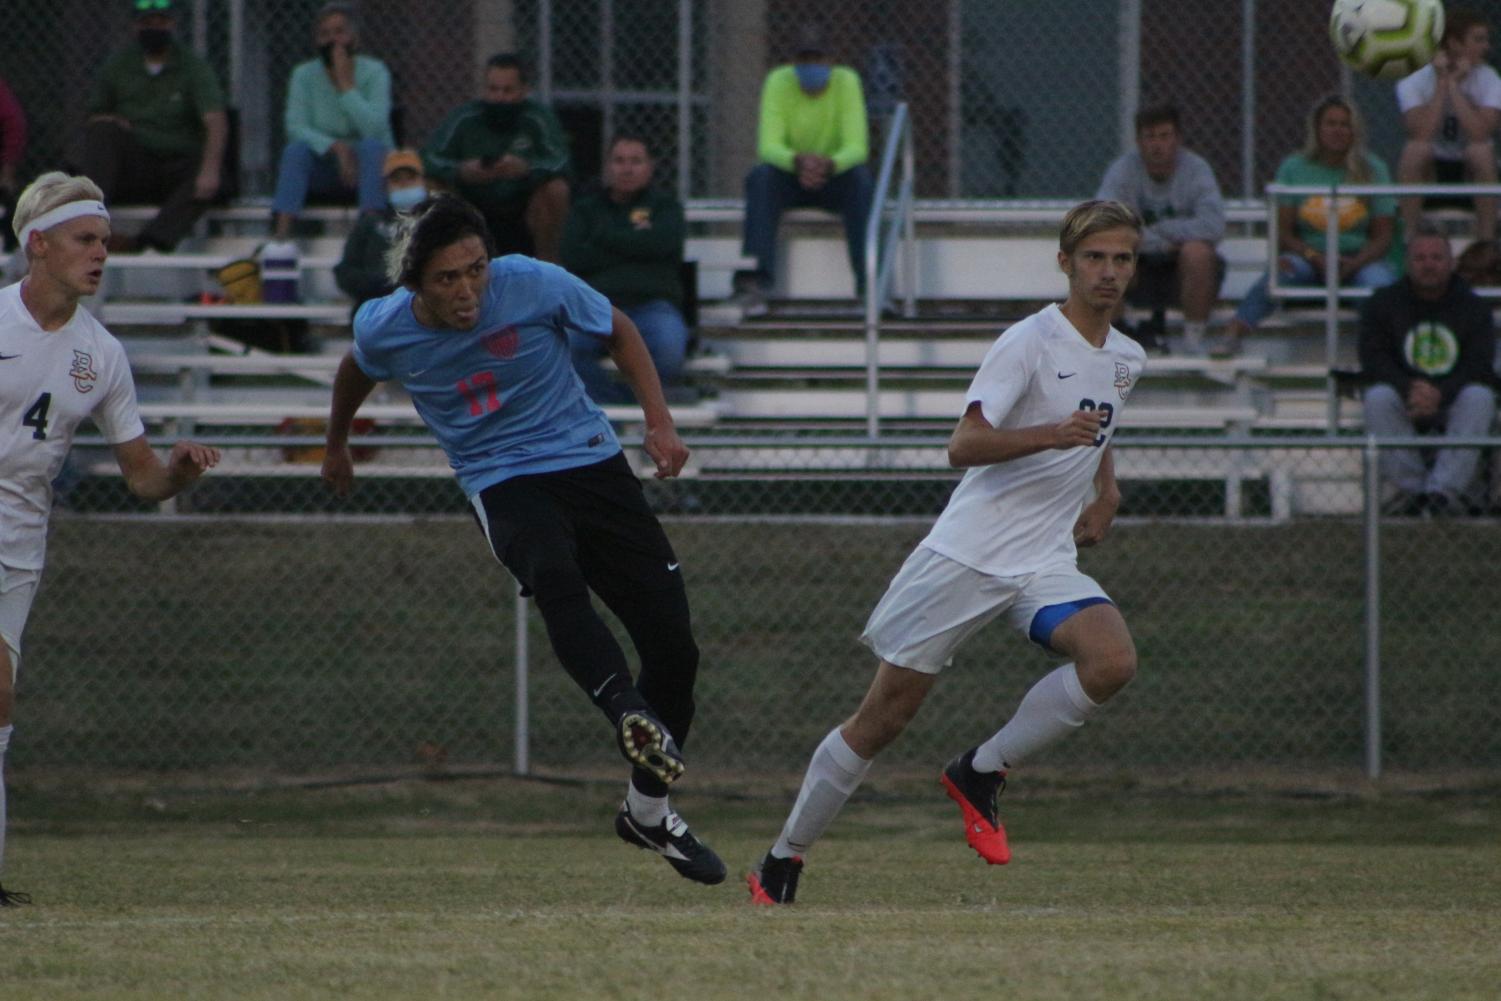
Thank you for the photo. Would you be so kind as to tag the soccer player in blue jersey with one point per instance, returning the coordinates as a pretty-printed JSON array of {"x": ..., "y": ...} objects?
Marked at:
[{"x": 482, "y": 347}]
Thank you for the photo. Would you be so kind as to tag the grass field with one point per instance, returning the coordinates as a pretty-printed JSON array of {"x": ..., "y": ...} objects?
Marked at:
[{"x": 503, "y": 888}]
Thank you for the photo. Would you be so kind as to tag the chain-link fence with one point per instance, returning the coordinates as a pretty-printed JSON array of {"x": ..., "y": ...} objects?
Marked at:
[
  {"x": 306, "y": 637},
  {"x": 1024, "y": 99}
]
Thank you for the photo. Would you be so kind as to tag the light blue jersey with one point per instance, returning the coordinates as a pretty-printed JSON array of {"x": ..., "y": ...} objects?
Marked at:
[{"x": 502, "y": 399}]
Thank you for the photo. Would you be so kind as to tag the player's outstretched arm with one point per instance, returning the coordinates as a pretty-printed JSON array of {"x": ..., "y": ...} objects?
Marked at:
[
  {"x": 149, "y": 479},
  {"x": 1094, "y": 521},
  {"x": 975, "y": 442},
  {"x": 351, "y": 386},
  {"x": 629, "y": 353}
]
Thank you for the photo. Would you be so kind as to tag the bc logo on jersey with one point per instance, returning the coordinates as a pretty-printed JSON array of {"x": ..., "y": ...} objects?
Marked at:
[
  {"x": 82, "y": 372},
  {"x": 1123, "y": 379},
  {"x": 502, "y": 343}
]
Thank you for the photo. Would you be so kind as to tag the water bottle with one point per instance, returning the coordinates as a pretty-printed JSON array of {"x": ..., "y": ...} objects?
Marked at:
[{"x": 279, "y": 271}]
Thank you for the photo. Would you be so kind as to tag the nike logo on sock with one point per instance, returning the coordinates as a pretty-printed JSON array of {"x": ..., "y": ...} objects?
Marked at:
[{"x": 595, "y": 693}]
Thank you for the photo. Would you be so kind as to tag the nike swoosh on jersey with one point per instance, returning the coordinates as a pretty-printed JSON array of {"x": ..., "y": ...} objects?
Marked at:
[
  {"x": 8, "y": 357},
  {"x": 1069, "y": 376}
]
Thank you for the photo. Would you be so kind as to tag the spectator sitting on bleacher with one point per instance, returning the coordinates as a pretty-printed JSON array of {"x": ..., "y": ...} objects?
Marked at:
[
  {"x": 1334, "y": 153},
  {"x": 1427, "y": 343},
  {"x": 627, "y": 242},
  {"x": 505, "y": 153},
  {"x": 1450, "y": 109},
  {"x": 813, "y": 143},
  {"x": 338, "y": 122},
  {"x": 1175, "y": 192},
  {"x": 156, "y": 130},
  {"x": 361, "y": 272},
  {"x": 12, "y": 148}
]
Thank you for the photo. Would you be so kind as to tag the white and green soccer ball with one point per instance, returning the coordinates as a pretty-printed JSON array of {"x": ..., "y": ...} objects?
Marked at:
[{"x": 1386, "y": 39}]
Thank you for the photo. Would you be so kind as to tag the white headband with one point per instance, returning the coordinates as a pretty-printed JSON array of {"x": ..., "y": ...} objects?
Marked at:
[{"x": 61, "y": 214}]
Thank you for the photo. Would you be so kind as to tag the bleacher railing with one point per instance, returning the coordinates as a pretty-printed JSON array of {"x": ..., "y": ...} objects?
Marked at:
[
  {"x": 1332, "y": 291},
  {"x": 880, "y": 255}
]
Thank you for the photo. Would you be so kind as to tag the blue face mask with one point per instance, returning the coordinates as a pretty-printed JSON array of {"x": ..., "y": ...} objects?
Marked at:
[
  {"x": 402, "y": 199},
  {"x": 813, "y": 77}
]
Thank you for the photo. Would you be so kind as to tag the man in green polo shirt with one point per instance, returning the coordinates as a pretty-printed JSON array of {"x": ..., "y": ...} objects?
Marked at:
[
  {"x": 813, "y": 146},
  {"x": 156, "y": 129}
]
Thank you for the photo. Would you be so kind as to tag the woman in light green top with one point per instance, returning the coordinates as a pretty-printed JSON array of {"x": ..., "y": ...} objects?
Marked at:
[
  {"x": 1334, "y": 153},
  {"x": 338, "y": 121}
]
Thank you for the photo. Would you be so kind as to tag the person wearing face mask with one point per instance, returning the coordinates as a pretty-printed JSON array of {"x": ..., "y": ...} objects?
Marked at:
[
  {"x": 361, "y": 271},
  {"x": 338, "y": 122},
  {"x": 813, "y": 146},
  {"x": 156, "y": 129},
  {"x": 506, "y": 155}
]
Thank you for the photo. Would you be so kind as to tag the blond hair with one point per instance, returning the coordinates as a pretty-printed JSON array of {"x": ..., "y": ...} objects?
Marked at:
[
  {"x": 1088, "y": 218},
  {"x": 48, "y": 192}
]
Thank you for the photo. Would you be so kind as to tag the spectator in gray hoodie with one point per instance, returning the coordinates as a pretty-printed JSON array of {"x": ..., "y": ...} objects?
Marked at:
[{"x": 1175, "y": 192}]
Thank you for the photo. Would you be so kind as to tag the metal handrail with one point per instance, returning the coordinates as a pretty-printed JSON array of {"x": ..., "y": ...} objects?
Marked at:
[
  {"x": 1332, "y": 288},
  {"x": 878, "y": 257}
]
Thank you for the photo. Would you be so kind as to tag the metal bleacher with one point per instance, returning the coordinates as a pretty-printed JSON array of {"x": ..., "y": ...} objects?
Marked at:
[{"x": 798, "y": 372}]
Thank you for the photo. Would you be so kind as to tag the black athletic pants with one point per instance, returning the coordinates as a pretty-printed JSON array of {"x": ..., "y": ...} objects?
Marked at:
[{"x": 566, "y": 533}]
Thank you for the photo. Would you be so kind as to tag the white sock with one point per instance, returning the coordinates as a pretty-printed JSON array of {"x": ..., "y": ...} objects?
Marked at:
[
  {"x": 833, "y": 774},
  {"x": 1193, "y": 333},
  {"x": 1052, "y": 708},
  {"x": 4, "y": 743},
  {"x": 649, "y": 810}
]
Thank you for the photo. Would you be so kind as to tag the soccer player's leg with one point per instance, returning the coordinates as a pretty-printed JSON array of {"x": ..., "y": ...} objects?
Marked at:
[
  {"x": 15, "y": 602},
  {"x": 629, "y": 562},
  {"x": 659, "y": 626},
  {"x": 931, "y": 606},
  {"x": 1066, "y": 613},
  {"x": 531, "y": 531}
]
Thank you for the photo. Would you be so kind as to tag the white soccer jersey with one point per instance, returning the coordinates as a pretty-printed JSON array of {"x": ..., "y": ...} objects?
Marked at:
[
  {"x": 1018, "y": 517},
  {"x": 50, "y": 380},
  {"x": 1482, "y": 85}
]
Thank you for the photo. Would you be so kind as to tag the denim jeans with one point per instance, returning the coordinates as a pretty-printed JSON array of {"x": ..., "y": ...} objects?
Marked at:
[
  {"x": 303, "y": 171},
  {"x": 770, "y": 191},
  {"x": 1257, "y": 304},
  {"x": 666, "y": 336}
]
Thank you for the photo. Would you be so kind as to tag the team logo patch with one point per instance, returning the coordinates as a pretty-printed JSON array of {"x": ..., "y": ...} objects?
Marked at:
[
  {"x": 1123, "y": 379},
  {"x": 503, "y": 343},
  {"x": 82, "y": 373}
]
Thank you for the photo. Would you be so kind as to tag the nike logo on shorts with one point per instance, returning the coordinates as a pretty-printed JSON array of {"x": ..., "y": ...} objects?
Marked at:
[{"x": 673, "y": 566}]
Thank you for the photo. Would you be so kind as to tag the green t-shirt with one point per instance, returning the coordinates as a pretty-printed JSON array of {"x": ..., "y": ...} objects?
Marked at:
[
  {"x": 1354, "y": 214},
  {"x": 165, "y": 109}
]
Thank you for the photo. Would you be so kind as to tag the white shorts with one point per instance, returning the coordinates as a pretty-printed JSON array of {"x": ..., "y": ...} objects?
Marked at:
[
  {"x": 934, "y": 604},
  {"x": 17, "y": 588}
]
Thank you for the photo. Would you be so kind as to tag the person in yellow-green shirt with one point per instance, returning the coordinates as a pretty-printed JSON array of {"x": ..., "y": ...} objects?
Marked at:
[{"x": 813, "y": 146}]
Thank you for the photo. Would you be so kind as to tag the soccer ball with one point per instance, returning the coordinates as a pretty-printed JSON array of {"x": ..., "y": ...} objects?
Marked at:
[{"x": 1387, "y": 39}]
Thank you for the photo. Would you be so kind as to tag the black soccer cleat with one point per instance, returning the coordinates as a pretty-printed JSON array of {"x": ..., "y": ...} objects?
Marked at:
[
  {"x": 672, "y": 840},
  {"x": 976, "y": 793},
  {"x": 776, "y": 881},
  {"x": 645, "y": 742},
  {"x": 12, "y": 898}
]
